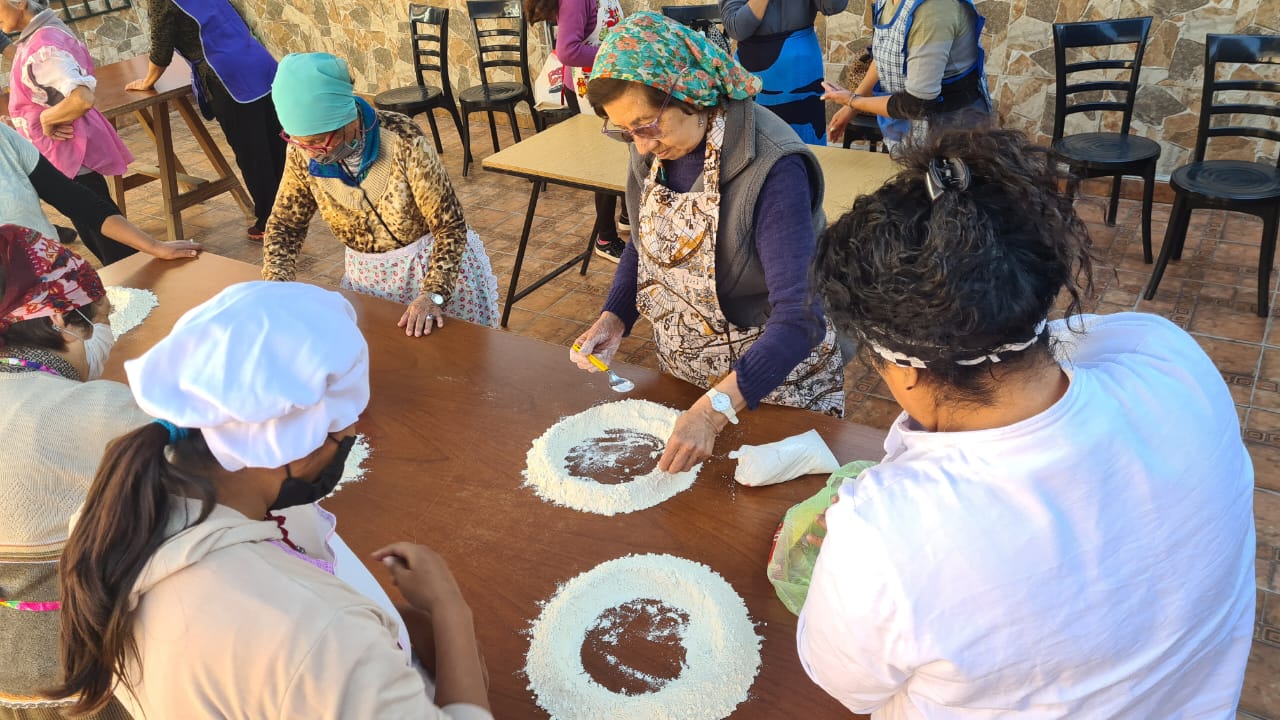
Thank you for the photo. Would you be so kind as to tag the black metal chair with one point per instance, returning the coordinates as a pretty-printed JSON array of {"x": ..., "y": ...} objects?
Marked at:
[
  {"x": 1104, "y": 154},
  {"x": 429, "y": 32},
  {"x": 1234, "y": 185},
  {"x": 865, "y": 128},
  {"x": 503, "y": 42}
]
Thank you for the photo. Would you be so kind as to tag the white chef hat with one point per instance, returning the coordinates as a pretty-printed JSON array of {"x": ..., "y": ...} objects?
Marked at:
[{"x": 264, "y": 369}]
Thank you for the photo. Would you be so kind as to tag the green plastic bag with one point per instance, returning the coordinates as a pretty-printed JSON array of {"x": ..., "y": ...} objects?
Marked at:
[{"x": 792, "y": 558}]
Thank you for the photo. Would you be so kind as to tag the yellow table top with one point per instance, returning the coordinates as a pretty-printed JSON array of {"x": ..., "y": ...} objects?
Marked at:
[{"x": 574, "y": 153}]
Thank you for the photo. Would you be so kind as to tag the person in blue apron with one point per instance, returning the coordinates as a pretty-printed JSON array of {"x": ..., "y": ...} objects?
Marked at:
[
  {"x": 777, "y": 43},
  {"x": 727, "y": 202},
  {"x": 927, "y": 70},
  {"x": 231, "y": 74}
]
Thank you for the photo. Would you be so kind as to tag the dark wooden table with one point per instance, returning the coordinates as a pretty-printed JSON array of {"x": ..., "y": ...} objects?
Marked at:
[
  {"x": 152, "y": 109},
  {"x": 451, "y": 418}
]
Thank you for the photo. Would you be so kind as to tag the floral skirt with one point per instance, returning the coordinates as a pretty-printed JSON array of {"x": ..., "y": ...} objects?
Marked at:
[{"x": 397, "y": 276}]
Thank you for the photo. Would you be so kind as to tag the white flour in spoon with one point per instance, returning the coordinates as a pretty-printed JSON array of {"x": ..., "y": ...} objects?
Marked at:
[
  {"x": 722, "y": 650},
  {"x": 129, "y": 307},
  {"x": 547, "y": 470}
]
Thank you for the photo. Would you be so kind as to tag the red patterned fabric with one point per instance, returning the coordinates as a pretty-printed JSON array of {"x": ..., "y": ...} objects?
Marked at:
[{"x": 42, "y": 278}]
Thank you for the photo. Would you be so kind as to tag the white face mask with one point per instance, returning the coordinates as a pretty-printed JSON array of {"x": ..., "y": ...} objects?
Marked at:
[{"x": 97, "y": 348}]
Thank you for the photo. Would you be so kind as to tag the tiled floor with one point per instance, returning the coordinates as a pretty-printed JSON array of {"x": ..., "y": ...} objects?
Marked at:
[{"x": 1211, "y": 293}]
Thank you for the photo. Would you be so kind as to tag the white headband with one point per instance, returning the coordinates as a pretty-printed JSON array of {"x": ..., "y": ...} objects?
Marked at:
[{"x": 904, "y": 360}]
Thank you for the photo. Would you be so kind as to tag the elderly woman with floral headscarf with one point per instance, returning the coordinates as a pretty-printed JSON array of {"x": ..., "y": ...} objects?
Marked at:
[
  {"x": 379, "y": 184},
  {"x": 53, "y": 339},
  {"x": 727, "y": 202}
]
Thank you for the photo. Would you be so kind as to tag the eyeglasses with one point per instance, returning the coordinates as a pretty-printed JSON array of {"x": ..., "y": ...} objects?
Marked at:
[
  {"x": 648, "y": 131},
  {"x": 321, "y": 149}
]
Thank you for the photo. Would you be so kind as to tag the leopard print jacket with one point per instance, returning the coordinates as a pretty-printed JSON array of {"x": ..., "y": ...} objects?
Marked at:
[{"x": 408, "y": 185}]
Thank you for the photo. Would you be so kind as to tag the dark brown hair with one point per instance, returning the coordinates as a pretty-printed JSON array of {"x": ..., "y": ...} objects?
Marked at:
[
  {"x": 954, "y": 277},
  {"x": 602, "y": 91},
  {"x": 541, "y": 11},
  {"x": 124, "y": 521},
  {"x": 41, "y": 333}
]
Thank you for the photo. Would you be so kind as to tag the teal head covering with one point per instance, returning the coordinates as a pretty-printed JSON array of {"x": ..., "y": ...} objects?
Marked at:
[
  {"x": 659, "y": 52},
  {"x": 313, "y": 94}
]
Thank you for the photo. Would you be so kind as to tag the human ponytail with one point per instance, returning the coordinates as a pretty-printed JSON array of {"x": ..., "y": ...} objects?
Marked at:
[{"x": 123, "y": 522}]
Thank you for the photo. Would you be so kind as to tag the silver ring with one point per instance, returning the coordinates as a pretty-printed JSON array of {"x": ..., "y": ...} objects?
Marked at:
[{"x": 430, "y": 317}]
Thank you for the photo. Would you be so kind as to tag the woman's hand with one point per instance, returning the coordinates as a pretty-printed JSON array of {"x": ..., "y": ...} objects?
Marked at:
[
  {"x": 54, "y": 130},
  {"x": 421, "y": 317},
  {"x": 602, "y": 340},
  {"x": 422, "y": 576},
  {"x": 835, "y": 93},
  {"x": 839, "y": 121},
  {"x": 142, "y": 84},
  {"x": 176, "y": 249},
  {"x": 693, "y": 438}
]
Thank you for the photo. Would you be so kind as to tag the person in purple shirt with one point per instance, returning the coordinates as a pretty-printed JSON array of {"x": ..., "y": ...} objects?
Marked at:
[
  {"x": 580, "y": 25},
  {"x": 727, "y": 202}
]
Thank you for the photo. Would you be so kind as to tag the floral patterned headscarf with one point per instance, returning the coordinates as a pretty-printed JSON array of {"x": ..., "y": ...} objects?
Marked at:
[
  {"x": 42, "y": 278},
  {"x": 659, "y": 52}
]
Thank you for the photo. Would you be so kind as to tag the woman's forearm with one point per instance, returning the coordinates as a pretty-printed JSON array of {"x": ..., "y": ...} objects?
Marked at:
[
  {"x": 79, "y": 102},
  {"x": 459, "y": 671},
  {"x": 122, "y": 231},
  {"x": 868, "y": 85}
]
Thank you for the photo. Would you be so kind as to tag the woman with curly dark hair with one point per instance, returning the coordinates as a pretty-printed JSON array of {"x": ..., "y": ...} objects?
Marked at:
[{"x": 1062, "y": 525}]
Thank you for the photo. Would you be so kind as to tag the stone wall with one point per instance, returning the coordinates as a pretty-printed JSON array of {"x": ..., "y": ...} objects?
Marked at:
[{"x": 1018, "y": 41}]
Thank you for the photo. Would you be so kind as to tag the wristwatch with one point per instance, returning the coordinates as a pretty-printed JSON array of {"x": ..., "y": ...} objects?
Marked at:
[
  {"x": 436, "y": 298},
  {"x": 721, "y": 403}
]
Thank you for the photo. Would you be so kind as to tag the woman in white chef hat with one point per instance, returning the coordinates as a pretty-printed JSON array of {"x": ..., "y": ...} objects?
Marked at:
[{"x": 188, "y": 588}]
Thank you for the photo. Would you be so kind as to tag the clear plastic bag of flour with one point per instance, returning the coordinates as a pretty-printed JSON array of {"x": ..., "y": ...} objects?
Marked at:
[{"x": 792, "y": 559}]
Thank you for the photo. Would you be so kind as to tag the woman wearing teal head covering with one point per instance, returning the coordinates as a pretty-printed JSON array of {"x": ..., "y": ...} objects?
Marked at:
[
  {"x": 378, "y": 183},
  {"x": 725, "y": 202}
]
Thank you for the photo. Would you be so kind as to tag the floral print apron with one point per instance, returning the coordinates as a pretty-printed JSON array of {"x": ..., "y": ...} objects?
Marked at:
[
  {"x": 397, "y": 276},
  {"x": 676, "y": 292}
]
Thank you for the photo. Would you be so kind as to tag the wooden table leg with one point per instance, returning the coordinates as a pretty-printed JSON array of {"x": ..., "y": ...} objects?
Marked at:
[
  {"x": 117, "y": 192},
  {"x": 168, "y": 171},
  {"x": 211, "y": 151},
  {"x": 524, "y": 244},
  {"x": 146, "y": 120}
]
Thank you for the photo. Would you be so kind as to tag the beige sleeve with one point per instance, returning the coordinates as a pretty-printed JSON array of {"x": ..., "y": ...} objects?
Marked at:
[
  {"x": 290, "y": 215},
  {"x": 433, "y": 193},
  {"x": 355, "y": 669}
]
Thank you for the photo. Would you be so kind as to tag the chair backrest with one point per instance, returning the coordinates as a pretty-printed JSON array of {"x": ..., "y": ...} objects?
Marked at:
[
  {"x": 698, "y": 17},
  {"x": 503, "y": 41},
  {"x": 1248, "y": 50},
  {"x": 429, "y": 31},
  {"x": 1107, "y": 33}
]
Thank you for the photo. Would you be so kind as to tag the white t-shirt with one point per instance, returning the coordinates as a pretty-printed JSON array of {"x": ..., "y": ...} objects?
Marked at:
[
  {"x": 19, "y": 204},
  {"x": 1093, "y": 561}
]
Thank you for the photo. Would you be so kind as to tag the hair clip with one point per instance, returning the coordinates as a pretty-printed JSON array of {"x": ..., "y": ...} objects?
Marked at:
[{"x": 946, "y": 174}]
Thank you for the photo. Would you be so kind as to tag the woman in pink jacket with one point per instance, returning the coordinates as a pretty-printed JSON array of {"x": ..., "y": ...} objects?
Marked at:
[{"x": 51, "y": 94}]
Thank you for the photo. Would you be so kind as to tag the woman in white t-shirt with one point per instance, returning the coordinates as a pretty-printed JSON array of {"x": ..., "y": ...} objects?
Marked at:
[{"x": 1062, "y": 526}]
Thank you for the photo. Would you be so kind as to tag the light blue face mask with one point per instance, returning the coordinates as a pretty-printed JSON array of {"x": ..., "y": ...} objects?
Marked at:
[
  {"x": 344, "y": 152},
  {"x": 97, "y": 347}
]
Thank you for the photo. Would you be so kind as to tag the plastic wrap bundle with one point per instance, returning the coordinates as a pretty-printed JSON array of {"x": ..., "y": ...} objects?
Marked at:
[
  {"x": 802, "y": 454},
  {"x": 792, "y": 559}
]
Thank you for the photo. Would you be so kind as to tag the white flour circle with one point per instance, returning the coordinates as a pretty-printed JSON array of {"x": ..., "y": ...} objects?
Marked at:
[
  {"x": 129, "y": 307},
  {"x": 722, "y": 650},
  {"x": 547, "y": 470}
]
